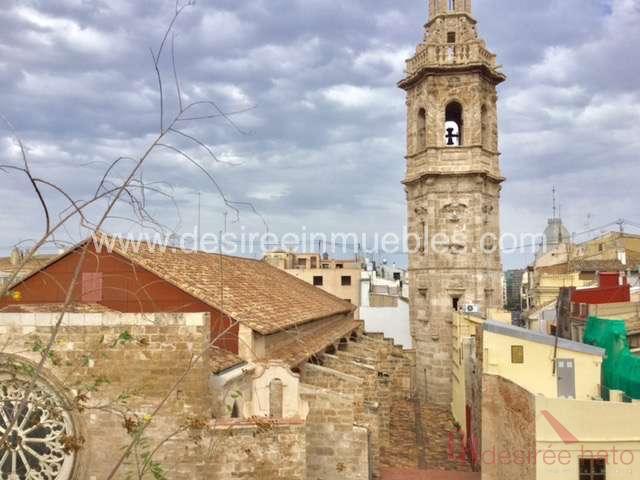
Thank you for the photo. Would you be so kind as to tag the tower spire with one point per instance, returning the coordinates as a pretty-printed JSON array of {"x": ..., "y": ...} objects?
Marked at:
[{"x": 554, "y": 202}]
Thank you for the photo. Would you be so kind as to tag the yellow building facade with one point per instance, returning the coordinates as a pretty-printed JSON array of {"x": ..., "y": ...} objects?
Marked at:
[
  {"x": 533, "y": 361},
  {"x": 340, "y": 278},
  {"x": 586, "y": 429}
]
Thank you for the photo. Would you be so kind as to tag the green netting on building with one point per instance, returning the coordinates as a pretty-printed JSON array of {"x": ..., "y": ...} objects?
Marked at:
[{"x": 621, "y": 369}]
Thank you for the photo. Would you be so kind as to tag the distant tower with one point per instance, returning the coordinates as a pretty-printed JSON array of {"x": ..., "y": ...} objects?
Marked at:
[
  {"x": 556, "y": 234},
  {"x": 453, "y": 186}
]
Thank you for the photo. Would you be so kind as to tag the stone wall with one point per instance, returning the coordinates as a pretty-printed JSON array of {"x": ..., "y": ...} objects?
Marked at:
[
  {"x": 114, "y": 371},
  {"x": 508, "y": 430},
  {"x": 377, "y": 373},
  {"x": 258, "y": 451},
  {"x": 377, "y": 300},
  {"x": 368, "y": 414},
  {"x": 336, "y": 448}
]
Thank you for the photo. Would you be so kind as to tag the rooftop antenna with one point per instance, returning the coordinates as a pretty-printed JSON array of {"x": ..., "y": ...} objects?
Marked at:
[
  {"x": 199, "y": 220},
  {"x": 587, "y": 223}
]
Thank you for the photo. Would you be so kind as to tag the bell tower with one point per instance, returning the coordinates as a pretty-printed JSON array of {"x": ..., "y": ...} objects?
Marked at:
[{"x": 453, "y": 187}]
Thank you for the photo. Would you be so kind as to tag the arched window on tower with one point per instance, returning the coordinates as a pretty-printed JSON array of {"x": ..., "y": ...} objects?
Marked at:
[
  {"x": 453, "y": 126},
  {"x": 422, "y": 129},
  {"x": 484, "y": 119}
]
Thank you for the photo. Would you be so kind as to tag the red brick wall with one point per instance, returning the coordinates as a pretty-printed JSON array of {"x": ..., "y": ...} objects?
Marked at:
[{"x": 113, "y": 281}]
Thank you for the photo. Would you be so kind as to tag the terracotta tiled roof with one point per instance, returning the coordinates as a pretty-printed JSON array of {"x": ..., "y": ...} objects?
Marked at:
[
  {"x": 55, "y": 308},
  {"x": 7, "y": 267},
  {"x": 596, "y": 266},
  {"x": 252, "y": 292},
  {"x": 308, "y": 342},
  {"x": 221, "y": 360},
  {"x": 579, "y": 265}
]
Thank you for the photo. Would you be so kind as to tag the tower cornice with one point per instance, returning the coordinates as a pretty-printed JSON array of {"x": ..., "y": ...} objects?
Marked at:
[
  {"x": 492, "y": 75},
  {"x": 443, "y": 16},
  {"x": 447, "y": 59},
  {"x": 467, "y": 173}
]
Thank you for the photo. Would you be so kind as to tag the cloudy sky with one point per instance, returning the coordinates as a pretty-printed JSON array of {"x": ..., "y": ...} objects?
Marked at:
[{"x": 321, "y": 145}]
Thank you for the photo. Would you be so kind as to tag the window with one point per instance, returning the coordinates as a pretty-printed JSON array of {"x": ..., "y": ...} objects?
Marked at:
[
  {"x": 517, "y": 353},
  {"x": 37, "y": 448},
  {"x": 452, "y": 5},
  {"x": 347, "y": 300},
  {"x": 302, "y": 262},
  {"x": 451, "y": 37},
  {"x": 634, "y": 341},
  {"x": 600, "y": 247},
  {"x": 422, "y": 129},
  {"x": 339, "y": 265},
  {"x": 584, "y": 310},
  {"x": 455, "y": 301},
  {"x": 346, "y": 281},
  {"x": 314, "y": 262},
  {"x": 575, "y": 309},
  {"x": 453, "y": 125},
  {"x": 276, "y": 398},
  {"x": 235, "y": 410},
  {"x": 593, "y": 469},
  {"x": 92, "y": 287},
  {"x": 318, "y": 281}
]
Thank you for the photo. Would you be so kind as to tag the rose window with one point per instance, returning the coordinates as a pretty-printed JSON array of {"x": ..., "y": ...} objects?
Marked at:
[{"x": 39, "y": 437}]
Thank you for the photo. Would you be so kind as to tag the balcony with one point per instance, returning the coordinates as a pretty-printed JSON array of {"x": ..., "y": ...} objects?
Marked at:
[{"x": 452, "y": 55}]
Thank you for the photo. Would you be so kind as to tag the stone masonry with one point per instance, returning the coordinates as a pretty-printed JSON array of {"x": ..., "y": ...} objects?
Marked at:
[
  {"x": 372, "y": 375},
  {"x": 113, "y": 370},
  {"x": 453, "y": 186}
]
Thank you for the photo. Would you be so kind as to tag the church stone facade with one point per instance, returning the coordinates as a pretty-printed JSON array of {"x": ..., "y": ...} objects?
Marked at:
[{"x": 453, "y": 186}]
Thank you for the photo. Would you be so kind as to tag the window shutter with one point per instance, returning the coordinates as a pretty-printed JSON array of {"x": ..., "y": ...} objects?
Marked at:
[{"x": 92, "y": 287}]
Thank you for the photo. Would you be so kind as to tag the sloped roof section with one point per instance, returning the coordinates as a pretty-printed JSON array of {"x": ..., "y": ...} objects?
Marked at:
[
  {"x": 531, "y": 336},
  {"x": 303, "y": 345},
  {"x": 597, "y": 266},
  {"x": 8, "y": 266},
  {"x": 587, "y": 266},
  {"x": 252, "y": 292},
  {"x": 220, "y": 360}
]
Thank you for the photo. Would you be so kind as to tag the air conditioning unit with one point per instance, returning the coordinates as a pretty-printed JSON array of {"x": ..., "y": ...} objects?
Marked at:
[{"x": 471, "y": 308}]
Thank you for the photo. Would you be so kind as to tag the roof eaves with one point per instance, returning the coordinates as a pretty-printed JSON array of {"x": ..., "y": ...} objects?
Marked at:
[{"x": 524, "y": 334}]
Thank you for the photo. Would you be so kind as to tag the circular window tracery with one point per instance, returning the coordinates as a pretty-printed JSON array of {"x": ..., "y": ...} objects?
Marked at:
[{"x": 39, "y": 436}]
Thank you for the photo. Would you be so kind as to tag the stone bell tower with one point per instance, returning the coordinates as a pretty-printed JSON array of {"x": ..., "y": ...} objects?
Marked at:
[{"x": 453, "y": 187}]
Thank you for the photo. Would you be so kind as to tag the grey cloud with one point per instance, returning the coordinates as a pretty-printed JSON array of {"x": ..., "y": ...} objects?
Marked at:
[{"x": 325, "y": 141}]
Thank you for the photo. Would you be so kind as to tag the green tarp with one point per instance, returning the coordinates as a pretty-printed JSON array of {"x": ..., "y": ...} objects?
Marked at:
[{"x": 621, "y": 369}]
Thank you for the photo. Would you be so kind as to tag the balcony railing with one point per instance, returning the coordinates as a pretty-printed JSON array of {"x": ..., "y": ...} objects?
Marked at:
[{"x": 451, "y": 54}]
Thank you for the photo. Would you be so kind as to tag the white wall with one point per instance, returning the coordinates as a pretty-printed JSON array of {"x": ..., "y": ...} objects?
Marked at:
[{"x": 392, "y": 321}]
